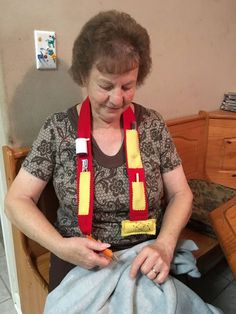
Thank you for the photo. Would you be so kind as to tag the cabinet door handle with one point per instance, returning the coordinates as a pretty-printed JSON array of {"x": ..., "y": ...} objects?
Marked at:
[
  {"x": 234, "y": 175},
  {"x": 229, "y": 142}
]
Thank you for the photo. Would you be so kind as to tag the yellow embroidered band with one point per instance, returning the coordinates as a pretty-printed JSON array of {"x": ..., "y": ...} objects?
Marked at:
[
  {"x": 129, "y": 227},
  {"x": 84, "y": 193},
  {"x": 138, "y": 197},
  {"x": 133, "y": 153}
]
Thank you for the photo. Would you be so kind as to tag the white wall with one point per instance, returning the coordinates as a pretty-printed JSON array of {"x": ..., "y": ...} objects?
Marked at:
[{"x": 193, "y": 50}]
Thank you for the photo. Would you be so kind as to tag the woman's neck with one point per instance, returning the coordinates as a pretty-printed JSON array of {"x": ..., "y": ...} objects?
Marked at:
[
  {"x": 105, "y": 125},
  {"x": 99, "y": 123}
]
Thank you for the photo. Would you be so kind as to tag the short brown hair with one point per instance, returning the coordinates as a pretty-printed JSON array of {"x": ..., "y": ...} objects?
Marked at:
[{"x": 115, "y": 43}]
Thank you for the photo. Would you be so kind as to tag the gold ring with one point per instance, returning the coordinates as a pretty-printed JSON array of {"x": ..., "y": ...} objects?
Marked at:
[{"x": 154, "y": 270}]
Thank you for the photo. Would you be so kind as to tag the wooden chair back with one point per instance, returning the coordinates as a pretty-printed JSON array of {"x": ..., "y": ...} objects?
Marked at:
[
  {"x": 32, "y": 260},
  {"x": 190, "y": 137}
]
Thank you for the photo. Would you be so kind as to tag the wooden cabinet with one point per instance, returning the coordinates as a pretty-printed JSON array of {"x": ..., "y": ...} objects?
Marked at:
[{"x": 221, "y": 150}]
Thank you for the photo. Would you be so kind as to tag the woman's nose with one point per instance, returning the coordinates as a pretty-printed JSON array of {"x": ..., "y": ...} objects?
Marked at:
[{"x": 116, "y": 97}]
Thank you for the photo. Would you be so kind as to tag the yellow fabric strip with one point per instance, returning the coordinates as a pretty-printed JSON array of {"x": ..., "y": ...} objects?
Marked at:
[
  {"x": 84, "y": 193},
  {"x": 138, "y": 196},
  {"x": 132, "y": 146},
  {"x": 138, "y": 227}
]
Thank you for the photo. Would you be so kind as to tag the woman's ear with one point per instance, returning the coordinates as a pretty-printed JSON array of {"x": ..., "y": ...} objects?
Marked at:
[{"x": 85, "y": 81}]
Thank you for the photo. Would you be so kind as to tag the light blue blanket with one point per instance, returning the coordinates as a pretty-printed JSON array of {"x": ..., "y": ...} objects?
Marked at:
[{"x": 111, "y": 291}]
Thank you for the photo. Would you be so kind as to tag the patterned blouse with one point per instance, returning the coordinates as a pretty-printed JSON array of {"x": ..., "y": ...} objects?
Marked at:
[{"x": 53, "y": 156}]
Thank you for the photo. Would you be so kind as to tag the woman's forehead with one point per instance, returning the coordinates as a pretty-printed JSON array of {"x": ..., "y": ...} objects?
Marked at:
[
  {"x": 115, "y": 66},
  {"x": 129, "y": 76}
]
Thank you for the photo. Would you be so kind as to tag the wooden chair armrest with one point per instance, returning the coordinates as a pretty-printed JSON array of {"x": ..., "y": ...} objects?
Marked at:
[
  {"x": 204, "y": 243},
  {"x": 223, "y": 220}
]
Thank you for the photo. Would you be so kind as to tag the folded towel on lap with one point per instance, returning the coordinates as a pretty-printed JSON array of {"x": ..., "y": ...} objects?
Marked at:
[{"x": 111, "y": 291}]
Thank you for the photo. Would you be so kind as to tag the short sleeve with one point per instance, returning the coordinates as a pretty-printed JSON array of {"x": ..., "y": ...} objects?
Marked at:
[
  {"x": 40, "y": 161},
  {"x": 169, "y": 157}
]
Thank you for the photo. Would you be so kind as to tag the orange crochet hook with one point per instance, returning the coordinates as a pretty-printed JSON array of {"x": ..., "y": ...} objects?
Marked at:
[{"x": 106, "y": 252}]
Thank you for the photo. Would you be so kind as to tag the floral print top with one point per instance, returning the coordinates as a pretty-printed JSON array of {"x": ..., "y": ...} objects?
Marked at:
[{"x": 53, "y": 156}]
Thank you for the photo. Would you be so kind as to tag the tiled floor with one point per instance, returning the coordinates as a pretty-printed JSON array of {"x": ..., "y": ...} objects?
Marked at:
[{"x": 217, "y": 287}]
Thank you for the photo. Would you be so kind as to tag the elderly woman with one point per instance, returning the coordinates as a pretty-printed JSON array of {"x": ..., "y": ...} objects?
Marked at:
[
  {"x": 111, "y": 57},
  {"x": 113, "y": 163}
]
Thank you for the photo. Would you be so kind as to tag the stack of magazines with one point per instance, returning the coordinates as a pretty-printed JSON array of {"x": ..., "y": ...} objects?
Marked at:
[{"x": 229, "y": 102}]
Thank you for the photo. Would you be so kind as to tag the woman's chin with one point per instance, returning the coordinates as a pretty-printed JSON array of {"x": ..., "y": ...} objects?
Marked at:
[
  {"x": 113, "y": 112},
  {"x": 111, "y": 116}
]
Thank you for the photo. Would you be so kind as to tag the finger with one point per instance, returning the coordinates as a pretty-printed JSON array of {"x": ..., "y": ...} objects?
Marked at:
[
  {"x": 161, "y": 277},
  {"x": 137, "y": 262},
  {"x": 152, "y": 274},
  {"x": 151, "y": 261},
  {"x": 147, "y": 266},
  {"x": 100, "y": 260},
  {"x": 97, "y": 245}
]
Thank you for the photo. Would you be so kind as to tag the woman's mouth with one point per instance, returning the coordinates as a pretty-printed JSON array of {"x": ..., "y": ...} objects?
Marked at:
[{"x": 113, "y": 107}]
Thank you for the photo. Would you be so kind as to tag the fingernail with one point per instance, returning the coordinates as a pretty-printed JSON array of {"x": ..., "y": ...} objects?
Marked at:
[
  {"x": 106, "y": 245},
  {"x": 131, "y": 276}
]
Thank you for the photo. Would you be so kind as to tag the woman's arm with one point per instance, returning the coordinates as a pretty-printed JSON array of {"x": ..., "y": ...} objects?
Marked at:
[
  {"x": 179, "y": 208},
  {"x": 160, "y": 253},
  {"x": 21, "y": 209}
]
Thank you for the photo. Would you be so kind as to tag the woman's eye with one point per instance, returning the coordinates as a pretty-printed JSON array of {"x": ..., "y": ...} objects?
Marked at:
[
  {"x": 106, "y": 87},
  {"x": 126, "y": 88}
]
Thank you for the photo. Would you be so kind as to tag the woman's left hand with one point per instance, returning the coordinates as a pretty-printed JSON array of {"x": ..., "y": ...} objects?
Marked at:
[{"x": 153, "y": 261}]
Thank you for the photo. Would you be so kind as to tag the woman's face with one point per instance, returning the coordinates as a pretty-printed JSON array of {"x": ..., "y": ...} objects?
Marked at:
[{"x": 110, "y": 94}]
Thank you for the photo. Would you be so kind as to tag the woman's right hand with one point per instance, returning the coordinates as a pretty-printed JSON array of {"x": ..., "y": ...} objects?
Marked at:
[{"x": 83, "y": 252}]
